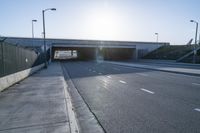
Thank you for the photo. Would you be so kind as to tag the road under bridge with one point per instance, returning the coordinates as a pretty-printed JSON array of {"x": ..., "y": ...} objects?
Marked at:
[{"x": 91, "y": 52}]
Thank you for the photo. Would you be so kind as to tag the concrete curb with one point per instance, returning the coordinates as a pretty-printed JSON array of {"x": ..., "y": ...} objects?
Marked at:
[
  {"x": 71, "y": 114},
  {"x": 11, "y": 79},
  {"x": 154, "y": 68},
  {"x": 87, "y": 121}
]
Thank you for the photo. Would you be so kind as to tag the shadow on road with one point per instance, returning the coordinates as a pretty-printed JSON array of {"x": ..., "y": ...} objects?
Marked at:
[{"x": 80, "y": 69}]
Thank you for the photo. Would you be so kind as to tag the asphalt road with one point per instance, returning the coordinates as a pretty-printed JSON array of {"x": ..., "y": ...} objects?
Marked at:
[{"x": 133, "y": 100}]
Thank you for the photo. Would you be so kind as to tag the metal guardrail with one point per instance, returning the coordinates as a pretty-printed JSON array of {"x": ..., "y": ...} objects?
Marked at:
[
  {"x": 187, "y": 55},
  {"x": 15, "y": 58}
]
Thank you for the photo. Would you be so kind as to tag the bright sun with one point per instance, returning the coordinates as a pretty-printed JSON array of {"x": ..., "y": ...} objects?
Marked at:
[{"x": 103, "y": 25}]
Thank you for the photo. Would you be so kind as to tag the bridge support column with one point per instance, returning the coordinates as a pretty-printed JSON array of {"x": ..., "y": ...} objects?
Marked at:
[
  {"x": 135, "y": 54},
  {"x": 96, "y": 53}
]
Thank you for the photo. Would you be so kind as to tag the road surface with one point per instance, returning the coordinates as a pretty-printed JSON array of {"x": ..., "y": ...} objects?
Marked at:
[{"x": 134, "y": 100}]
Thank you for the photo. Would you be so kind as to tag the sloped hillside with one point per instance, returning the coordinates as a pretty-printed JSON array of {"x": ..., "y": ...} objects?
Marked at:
[{"x": 169, "y": 52}]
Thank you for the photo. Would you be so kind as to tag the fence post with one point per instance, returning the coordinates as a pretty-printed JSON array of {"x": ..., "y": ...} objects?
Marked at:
[{"x": 2, "y": 51}]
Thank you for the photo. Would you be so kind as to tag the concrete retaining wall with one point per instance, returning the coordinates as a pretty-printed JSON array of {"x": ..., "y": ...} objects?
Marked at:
[
  {"x": 145, "y": 48},
  {"x": 11, "y": 79}
]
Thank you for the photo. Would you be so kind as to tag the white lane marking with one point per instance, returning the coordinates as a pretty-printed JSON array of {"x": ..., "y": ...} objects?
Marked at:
[
  {"x": 195, "y": 83},
  {"x": 99, "y": 73},
  {"x": 109, "y": 77},
  {"x": 142, "y": 74},
  {"x": 197, "y": 109},
  {"x": 151, "y": 92},
  {"x": 121, "y": 81}
]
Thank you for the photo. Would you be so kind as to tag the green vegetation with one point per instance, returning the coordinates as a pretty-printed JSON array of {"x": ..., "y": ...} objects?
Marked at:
[{"x": 169, "y": 52}]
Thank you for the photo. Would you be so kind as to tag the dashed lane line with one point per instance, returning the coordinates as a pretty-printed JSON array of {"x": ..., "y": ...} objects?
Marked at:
[
  {"x": 197, "y": 109},
  {"x": 109, "y": 77},
  {"x": 142, "y": 74},
  {"x": 148, "y": 91},
  {"x": 121, "y": 81},
  {"x": 196, "y": 84}
]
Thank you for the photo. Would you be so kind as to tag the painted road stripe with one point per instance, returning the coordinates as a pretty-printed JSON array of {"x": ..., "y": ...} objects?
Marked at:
[
  {"x": 151, "y": 92},
  {"x": 197, "y": 109},
  {"x": 142, "y": 74},
  {"x": 195, "y": 83},
  {"x": 121, "y": 81},
  {"x": 108, "y": 77},
  {"x": 100, "y": 73}
]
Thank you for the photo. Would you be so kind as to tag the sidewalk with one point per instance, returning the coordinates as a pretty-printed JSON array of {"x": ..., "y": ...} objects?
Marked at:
[
  {"x": 36, "y": 105},
  {"x": 173, "y": 69},
  {"x": 168, "y": 62}
]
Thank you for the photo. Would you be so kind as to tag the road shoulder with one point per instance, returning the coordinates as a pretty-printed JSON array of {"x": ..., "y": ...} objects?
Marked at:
[{"x": 87, "y": 121}]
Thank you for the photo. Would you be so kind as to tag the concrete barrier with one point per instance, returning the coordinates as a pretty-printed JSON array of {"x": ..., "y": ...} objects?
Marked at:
[{"x": 11, "y": 79}]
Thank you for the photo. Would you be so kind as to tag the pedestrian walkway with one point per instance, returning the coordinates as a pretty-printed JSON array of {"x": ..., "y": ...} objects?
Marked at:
[
  {"x": 36, "y": 105},
  {"x": 174, "y": 69},
  {"x": 168, "y": 62}
]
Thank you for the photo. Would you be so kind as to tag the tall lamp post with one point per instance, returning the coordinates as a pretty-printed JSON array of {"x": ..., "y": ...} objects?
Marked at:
[
  {"x": 199, "y": 39},
  {"x": 34, "y": 20},
  {"x": 45, "y": 49},
  {"x": 194, "y": 49},
  {"x": 156, "y": 37}
]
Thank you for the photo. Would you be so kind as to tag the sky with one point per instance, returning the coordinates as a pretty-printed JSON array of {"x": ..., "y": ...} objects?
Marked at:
[{"x": 123, "y": 20}]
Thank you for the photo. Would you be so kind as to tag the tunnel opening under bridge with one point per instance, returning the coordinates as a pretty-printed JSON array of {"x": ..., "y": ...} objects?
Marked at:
[
  {"x": 92, "y": 53},
  {"x": 73, "y": 53},
  {"x": 118, "y": 53}
]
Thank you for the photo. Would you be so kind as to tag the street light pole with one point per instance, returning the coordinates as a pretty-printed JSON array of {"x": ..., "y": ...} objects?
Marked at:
[
  {"x": 44, "y": 34},
  {"x": 156, "y": 37},
  {"x": 194, "y": 49},
  {"x": 34, "y": 20},
  {"x": 199, "y": 39},
  {"x": 45, "y": 56}
]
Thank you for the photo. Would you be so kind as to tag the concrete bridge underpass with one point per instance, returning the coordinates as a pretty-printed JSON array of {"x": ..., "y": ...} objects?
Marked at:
[
  {"x": 93, "y": 52},
  {"x": 89, "y": 49}
]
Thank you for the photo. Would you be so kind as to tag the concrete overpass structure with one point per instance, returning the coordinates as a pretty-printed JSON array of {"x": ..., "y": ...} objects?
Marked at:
[
  {"x": 92, "y": 49},
  {"x": 98, "y": 49}
]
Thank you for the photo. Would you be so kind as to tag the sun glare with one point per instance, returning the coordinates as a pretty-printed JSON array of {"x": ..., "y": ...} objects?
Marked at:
[{"x": 103, "y": 25}]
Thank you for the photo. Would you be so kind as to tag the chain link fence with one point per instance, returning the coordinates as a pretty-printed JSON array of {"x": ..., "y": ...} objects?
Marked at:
[{"x": 15, "y": 58}]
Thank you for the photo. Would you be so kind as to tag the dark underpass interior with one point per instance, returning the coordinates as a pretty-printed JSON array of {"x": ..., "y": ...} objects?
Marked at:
[{"x": 92, "y": 53}]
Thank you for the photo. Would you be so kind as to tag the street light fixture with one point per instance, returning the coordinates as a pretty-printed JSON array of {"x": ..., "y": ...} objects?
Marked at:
[
  {"x": 45, "y": 49},
  {"x": 156, "y": 37},
  {"x": 194, "y": 49},
  {"x": 34, "y": 20}
]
